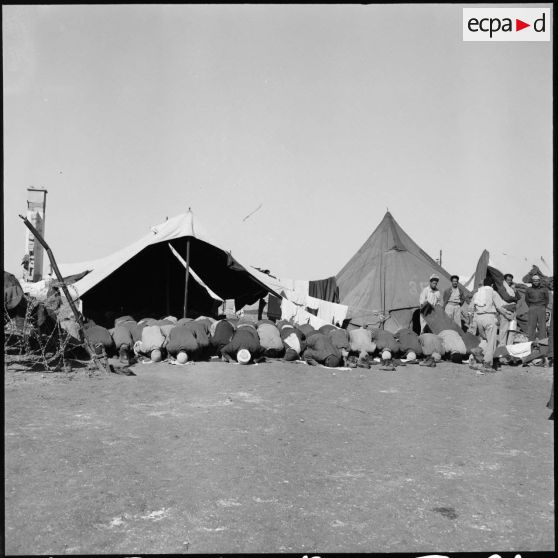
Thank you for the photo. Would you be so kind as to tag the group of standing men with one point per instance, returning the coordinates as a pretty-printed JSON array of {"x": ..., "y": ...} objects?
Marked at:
[{"x": 489, "y": 314}]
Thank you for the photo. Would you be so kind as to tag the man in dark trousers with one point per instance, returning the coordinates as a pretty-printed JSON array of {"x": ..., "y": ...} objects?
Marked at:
[{"x": 536, "y": 298}]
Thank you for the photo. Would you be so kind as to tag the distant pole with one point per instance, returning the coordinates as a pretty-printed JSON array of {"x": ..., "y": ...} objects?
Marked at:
[
  {"x": 187, "y": 276},
  {"x": 440, "y": 258},
  {"x": 167, "y": 278},
  {"x": 36, "y": 213}
]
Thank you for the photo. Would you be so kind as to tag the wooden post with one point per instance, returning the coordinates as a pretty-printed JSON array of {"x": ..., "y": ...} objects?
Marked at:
[
  {"x": 187, "y": 276},
  {"x": 167, "y": 279}
]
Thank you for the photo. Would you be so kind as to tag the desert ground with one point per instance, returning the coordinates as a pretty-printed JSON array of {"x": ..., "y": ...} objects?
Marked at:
[{"x": 278, "y": 457}]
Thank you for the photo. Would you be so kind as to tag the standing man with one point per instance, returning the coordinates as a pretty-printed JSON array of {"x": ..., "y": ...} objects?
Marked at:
[
  {"x": 486, "y": 304},
  {"x": 510, "y": 296},
  {"x": 429, "y": 297},
  {"x": 453, "y": 300},
  {"x": 536, "y": 298}
]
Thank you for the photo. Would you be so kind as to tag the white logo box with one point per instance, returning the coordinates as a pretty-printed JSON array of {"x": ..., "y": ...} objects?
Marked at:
[{"x": 492, "y": 24}]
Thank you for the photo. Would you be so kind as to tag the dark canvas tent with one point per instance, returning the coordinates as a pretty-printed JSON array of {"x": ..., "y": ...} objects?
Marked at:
[
  {"x": 148, "y": 279},
  {"x": 386, "y": 277}
]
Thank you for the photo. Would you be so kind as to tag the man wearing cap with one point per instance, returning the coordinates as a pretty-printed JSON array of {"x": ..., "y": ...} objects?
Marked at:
[
  {"x": 510, "y": 296},
  {"x": 453, "y": 299},
  {"x": 536, "y": 298},
  {"x": 244, "y": 347},
  {"x": 429, "y": 297},
  {"x": 409, "y": 344}
]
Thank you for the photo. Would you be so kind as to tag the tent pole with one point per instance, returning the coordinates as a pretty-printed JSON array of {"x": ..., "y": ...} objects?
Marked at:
[
  {"x": 167, "y": 294},
  {"x": 187, "y": 276}
]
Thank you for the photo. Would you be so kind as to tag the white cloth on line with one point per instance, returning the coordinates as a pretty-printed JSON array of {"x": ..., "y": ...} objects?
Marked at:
[
  {"x": 296, "y": 296},
  {"x": 195, "y": 275},
  {"x": 288, "y": 309}
]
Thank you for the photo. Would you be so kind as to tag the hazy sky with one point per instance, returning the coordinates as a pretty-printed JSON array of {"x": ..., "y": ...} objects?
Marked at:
[{"x": 326, "y": 115}]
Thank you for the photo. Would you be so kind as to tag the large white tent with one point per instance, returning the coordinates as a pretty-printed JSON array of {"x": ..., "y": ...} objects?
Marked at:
[{"x": 147, "y": 277}]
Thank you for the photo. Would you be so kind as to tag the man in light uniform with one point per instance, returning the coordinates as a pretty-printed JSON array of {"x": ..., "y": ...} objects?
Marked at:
[
  {"x": 429, "y": 297},
  {"x": 454, "y": 298},
  {"x": 486, "y": 304}
]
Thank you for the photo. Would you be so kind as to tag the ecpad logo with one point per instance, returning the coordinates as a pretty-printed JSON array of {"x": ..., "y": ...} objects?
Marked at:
[{"x": 506, "y": 24}]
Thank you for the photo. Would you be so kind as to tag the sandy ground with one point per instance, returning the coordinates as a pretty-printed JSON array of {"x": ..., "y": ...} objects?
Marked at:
[{"x": 278, "y": 457}]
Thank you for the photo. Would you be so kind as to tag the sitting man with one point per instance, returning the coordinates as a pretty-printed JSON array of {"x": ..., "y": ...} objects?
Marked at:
[
  {"x": 270, "y": 339},
  {"x": 244, "y": 346},
  {"x": 409, "y": 344},
  {"x": 320, "y": 350},
  {"x": 453, "y": 345},
  {"x": 432, "y": 349},
  {"x": 361, "y": 342}
]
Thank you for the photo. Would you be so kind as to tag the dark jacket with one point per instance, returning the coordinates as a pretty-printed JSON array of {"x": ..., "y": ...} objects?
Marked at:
[
  {"x": 223, "y": 334},
  {"x": 245, "y": 337},
  {"x": 385, "y": 340},
  {"x": 409, "y": 341},
  {"x": 339, "y": 338},
  {"x": 181, "y": 338},
  {"x": 319, "y": 347},
  {"x": 537, "y": 296},
  {"x": 200, "y": 330},
  {"x": 446, "y": 294},
  {"x": 501, "y": 290}
]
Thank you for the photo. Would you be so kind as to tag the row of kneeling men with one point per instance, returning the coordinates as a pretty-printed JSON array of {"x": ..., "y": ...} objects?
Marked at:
[{"x": 245, "y": 342}]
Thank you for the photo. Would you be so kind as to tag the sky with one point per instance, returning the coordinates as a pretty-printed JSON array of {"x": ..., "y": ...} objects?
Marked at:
[{"x": 325, "y": 116}]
